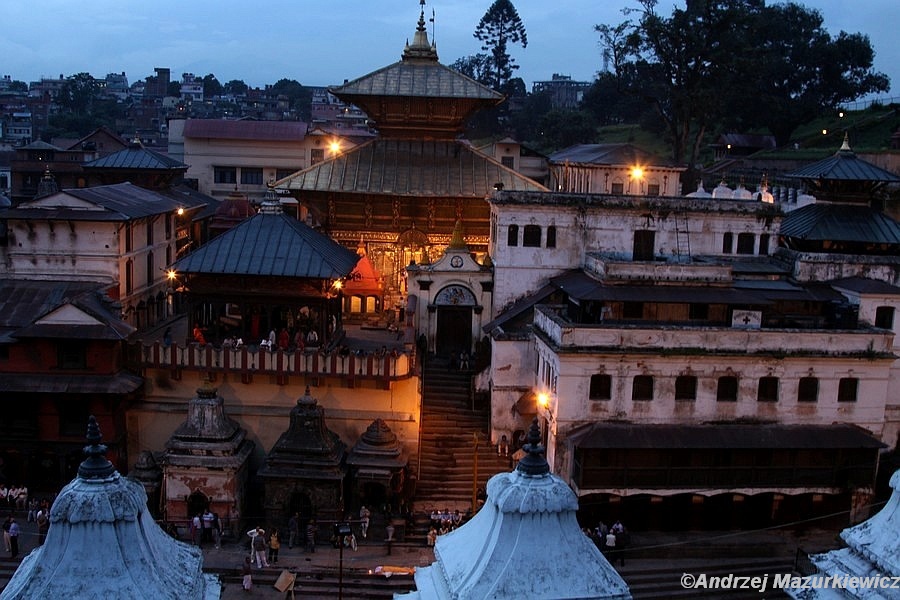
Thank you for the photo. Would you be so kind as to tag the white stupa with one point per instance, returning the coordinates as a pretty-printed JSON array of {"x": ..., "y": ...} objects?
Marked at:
[
  {"x": 872, "y": 558},
  {"x": 524, "y": 543},
  {"x": 103, "y": 543}
]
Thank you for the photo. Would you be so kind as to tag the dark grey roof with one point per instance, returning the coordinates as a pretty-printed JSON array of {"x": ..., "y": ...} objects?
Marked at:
[
  {"x": 24, "y": 302},
  {"x": 520, "y": 306},
  {"x": 840, "y": 222},
  {"x": 416, "y": 79},
  {"x": 844, "y": 166},
  {"x": 122, "y": 202},
  {"x": 410, "y": 168},
  {"x": 292, "y": 131},
  {"x": 41, "y": 145},
  {"x": 136, "y": 157},
  {"x": 120, "y": 383},
  {"x": 607, "y": 154},
  {"x": 863, "y": 285},
  {"x": 582, "y": 286},
  {"x": 271, "y": 244},
  {"x": 726, "y": 435}
]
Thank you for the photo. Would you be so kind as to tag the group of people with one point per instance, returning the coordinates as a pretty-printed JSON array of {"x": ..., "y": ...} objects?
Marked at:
[
  {"x": 612, "y": 541},
  {"x": 442, "y": 521},
  {"x": 206, "y": 527},
  {"x": 15, "y": 498}
]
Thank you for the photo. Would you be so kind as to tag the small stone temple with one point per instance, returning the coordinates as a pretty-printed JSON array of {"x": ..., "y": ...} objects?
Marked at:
[
  {"x": 872, "y": 554},
  {"x": 103, "y": 543},
  {"x": 206, "y": 463},
  {"x": 525, "y": 542},
  {"x": 304, "y": 472},
  {"x": 377, "y": 464}
]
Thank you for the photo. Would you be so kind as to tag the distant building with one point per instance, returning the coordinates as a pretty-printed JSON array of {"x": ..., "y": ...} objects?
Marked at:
[
  {"x": 564, "y": 92},
  {"x": 613, "y": 169}
]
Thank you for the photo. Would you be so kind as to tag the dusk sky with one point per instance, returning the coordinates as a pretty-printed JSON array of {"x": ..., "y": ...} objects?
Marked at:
[{"x": 323, "y": 43}]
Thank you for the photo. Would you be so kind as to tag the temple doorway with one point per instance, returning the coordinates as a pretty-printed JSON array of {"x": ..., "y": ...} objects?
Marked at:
[
  {"x": 197, "y": 503},
  {"x": 453, "y": 335}
]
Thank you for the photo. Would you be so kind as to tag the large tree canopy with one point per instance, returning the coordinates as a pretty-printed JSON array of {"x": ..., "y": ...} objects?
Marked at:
[
  {"x": 738, "y": 63},
  {"x": 499, "y": 27}
]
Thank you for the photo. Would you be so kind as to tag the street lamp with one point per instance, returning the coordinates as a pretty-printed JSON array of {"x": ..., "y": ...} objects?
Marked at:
[{"x": 341, "y": 530}]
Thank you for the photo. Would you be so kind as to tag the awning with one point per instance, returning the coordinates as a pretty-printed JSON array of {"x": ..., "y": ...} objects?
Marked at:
[
  {"x": 121, "y": 383},
  {"x": 772, "y": 436}
]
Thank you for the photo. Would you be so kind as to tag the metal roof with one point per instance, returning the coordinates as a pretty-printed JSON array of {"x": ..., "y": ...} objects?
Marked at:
[
  {"x": 23, "y": 302},
  {"x": 120, "y": 383},
  {"x": 418, "y": 168},
  {"x": 840, "y": 222},
  {"x": 136, "y": 157},
  {"x": 607, "y": 154},
  {"x": 246, "y": 130},
  {"x": 121, "y": 201},
  {"x": 584, "y": 287},
  {"x": 726, "y": 435},
  {"x": 413, "y": 78},
  {"x": 271, "y": 243},
  {"x": 844, "y": 166},
  {"x": 866, "y": 286}
]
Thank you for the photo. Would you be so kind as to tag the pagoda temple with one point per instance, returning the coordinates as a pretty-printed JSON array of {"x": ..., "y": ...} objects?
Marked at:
[{"x": 404, "y": 191}]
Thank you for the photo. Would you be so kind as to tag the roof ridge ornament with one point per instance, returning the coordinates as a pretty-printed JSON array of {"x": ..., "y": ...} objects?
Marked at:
[
  {"x": 420, "y": 47},
  {"x": 534, "y": 462},
  {"x": 96, "y": 465}
]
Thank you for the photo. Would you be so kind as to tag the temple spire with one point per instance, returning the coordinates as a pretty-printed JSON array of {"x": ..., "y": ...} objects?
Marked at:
[
  {"x": 420, "y": 47},
  {"x": 534, "y": 462},
  {"x": 96, "y": 465}
]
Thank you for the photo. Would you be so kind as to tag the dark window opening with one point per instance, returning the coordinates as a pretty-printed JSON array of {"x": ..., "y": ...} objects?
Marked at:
[
  {"x": 531, "y": 236},
  {"x": 808, "y": 389},
  {"x": 727, "y": 389},
  {"x": 745, "y": 243},
  {"x": 633, "y": 310},
  {"x": 642, "y": 387},
  {"x": 551, "y": 236},
  {"x": 224, "y": 175},
  {"x": 763, "y": 244},
  {"x": 644, "y": 245},
  {"x": 512, "y": 235},
  {"x": 601, "y": 387},
  {"x": 71, "y": 355},
  {"x": 727, "y": 242},
  {"x": 653, "y": 189},
  {"x": 847, "y": 389},
  {"x": 767, "y": 390},
  {"x": 686, "y": 387},
  {"x": 884, "y": 317},
  {"x": 251, "y": 176}
]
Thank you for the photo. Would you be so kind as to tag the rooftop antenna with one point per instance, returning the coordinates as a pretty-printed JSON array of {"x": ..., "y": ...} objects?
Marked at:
[{"x": 431, "y": 20}]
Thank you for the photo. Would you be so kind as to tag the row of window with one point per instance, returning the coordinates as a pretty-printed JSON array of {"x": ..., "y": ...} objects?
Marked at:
[
  {"x": 129, "y": 232},
  {"x": 726, "y": 389},
  {"x": 151, "y": 272},
  {"x": 531, "y": 236},
  {"x": 254, "y": 175}
]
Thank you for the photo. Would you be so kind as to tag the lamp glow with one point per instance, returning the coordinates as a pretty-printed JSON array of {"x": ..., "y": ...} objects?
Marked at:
[
  {"x": 543, "y": 399},
  {"x": 637, "y": 172}
]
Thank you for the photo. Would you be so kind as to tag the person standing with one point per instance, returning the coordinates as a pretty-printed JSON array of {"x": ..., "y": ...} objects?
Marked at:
[
  {"x": 364, "y": 516},
  {"x": 293, "y": 530},
  {"x": 43, "y": 526},
  {"x": 247, "y": 572},
  {"x": 274, "y": 547},
  {"x": 217, "y": 530},
  {"x": 6, "y": 525},
  {"x": 311, "y": 536},
  {"x": 258, "y": 544},
  {"x": 13, "y": 538},
  {"x": 207, "y": 520}
]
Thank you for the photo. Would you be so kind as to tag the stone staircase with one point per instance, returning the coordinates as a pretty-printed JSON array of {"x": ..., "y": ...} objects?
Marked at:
[
  {"x": 451, "y": 423},
  {"x": 659, "y": 581}
]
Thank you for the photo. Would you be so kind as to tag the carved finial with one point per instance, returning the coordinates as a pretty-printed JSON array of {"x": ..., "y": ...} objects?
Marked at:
[
  {"x": 95, "y": 465},
  {"x": 534, "y": 462}
]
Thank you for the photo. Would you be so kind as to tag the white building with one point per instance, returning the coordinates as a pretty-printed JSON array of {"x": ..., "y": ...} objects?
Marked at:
[{"x": 679, "y": 358}]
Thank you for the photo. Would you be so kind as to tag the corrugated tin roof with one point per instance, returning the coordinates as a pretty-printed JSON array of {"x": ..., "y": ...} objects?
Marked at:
[
  {"x": 136, "y": 157},
  {"x": 866, "y": 286},
  {"x": 413, "y": 78},
  {"x": 271, "y": 244},
  {"x": 418, "y": 168},
  {"x": 245, "y": 130},
  {"x": 730, "y": 435},
  {"x": 121, "y": 383},
  {"x": 23, "y": 302},
  {"x": 583, "y": 287},
  {"x": 844, "y": 166},
  {"x": 607, "y": 154},
  {"x": 122, "y": 202},
  {"x": 840, "y": 222}
]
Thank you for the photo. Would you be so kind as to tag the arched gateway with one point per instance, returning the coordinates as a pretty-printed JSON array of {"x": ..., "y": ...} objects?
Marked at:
[{"x": 454, "y": 305}]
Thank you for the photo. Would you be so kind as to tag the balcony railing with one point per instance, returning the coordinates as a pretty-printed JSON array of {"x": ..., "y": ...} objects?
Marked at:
[{"x": 249, "y": 361}]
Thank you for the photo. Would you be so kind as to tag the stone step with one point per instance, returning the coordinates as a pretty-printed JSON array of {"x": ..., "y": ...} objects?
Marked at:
[{"x": 324, "y": 584}]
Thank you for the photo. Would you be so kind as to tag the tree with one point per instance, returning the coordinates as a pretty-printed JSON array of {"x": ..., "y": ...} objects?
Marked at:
[
  {"x": 736, "y": 63},
  {"x": 499, "y": 27},
  {"x": 18, "y": 86},
  {"x": 476, "y": 66},
  {"x": 561, "y": 128},
  {"x": 77, "y": 94},
  {"x": 174, "y": 89},
  {"x": 300, "y": 97},
  {"x": 211, "y": 86},
  {"x": 236, "y": 87}
]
